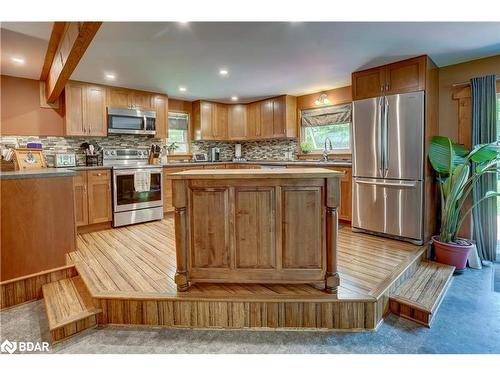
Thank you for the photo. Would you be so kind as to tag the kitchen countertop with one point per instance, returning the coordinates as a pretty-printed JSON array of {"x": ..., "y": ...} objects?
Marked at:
[
  {"x": 37, "y": 173},
  {"x": 221, "y": 174},
  {"x": 331, "y": 163},
  {"x": 89, "y": 168}
]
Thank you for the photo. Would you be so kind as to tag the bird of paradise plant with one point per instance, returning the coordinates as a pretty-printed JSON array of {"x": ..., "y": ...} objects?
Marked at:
[{"x": 458, "y": 171}]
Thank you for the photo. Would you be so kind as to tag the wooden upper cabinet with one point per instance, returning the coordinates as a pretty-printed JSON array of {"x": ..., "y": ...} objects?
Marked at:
[
  {"x": 160, "y": 105},
  {"x": 368, "y": 83},
  {"x": 237, "y": 122},
  {"x": 204, "y": 120},
  {"x": 266, "y": 118},
  {"x": 74, "y": 94},
  {"x": 210, "y": 120},
  {"x": 279, "y": 118},
  {"x": 99, "y": 196},
  {"x": 125, "y": 98},
  {"x": 253, "y": 121},
  {"x": 141, "y": 100},
  {"x": 405, "y": 76},
  {"x": 270, "y": 118},
  {"x": 85, "y": 109},
  {"x": 220, "y": 121},
  {"x": 400, "y": 77},
  {"x": 118, "y": 97},
  {"x": 95, "y": 111}
]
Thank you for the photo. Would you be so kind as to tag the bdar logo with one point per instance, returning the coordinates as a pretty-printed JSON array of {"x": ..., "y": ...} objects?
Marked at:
[{"x": 8, "y": 347}]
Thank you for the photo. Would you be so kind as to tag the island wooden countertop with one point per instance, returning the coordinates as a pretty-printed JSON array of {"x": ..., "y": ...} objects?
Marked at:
[{"x": 222, "y": 174}]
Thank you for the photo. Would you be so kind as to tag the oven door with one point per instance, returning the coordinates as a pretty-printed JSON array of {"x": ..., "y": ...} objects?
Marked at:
[{"x": 126, "y": 198}]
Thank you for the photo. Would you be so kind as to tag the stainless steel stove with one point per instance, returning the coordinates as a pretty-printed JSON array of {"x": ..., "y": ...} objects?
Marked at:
[{"x": 137, "y": 186}]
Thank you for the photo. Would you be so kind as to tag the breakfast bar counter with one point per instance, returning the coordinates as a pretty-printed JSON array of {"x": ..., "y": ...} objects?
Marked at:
[{"x": 256, "y": 226}]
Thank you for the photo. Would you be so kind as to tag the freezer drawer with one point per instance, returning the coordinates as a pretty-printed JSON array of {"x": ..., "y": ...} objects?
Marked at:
[{"x": 392, "y": 207}]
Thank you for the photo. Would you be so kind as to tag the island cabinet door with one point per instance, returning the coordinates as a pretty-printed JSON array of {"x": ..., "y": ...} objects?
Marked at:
[
  {"x": 302, "y": 228},
  {"x": 255, "y": 232},
  {"x": 209, "y": 228}
]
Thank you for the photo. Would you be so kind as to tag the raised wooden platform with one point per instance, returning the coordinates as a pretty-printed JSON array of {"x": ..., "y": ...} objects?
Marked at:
[
  {"x": 129, "y": 273},
  {"x": 70, "y": 308},
  {"x": 419, "y": 297}
]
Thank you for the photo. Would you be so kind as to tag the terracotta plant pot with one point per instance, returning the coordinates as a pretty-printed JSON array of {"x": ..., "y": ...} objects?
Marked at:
[{"x": 451, "y": 253}]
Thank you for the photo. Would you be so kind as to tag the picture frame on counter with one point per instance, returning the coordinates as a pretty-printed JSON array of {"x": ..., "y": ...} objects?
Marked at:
[{"x": 28, "y": 158}]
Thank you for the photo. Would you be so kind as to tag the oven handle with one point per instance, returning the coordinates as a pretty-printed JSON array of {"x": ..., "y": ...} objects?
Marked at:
[{"x": 131, "y": 171}]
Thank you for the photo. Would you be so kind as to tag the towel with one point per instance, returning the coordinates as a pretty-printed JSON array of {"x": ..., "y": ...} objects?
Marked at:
[{"x": 142, "y": 181}]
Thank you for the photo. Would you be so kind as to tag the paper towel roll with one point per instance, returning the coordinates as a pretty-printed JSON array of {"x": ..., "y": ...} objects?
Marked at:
[{"x": 237, "y": 150}]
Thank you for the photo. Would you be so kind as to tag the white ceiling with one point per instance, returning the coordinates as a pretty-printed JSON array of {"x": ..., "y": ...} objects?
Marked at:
[
  {"x": 263, "y": 59},
  {"x": 27, "y": 40}
]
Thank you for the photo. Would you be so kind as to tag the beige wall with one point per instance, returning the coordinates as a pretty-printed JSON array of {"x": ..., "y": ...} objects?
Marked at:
[
  {"x": 21, "y": 112},
  {"x": 448, "y": 75}
]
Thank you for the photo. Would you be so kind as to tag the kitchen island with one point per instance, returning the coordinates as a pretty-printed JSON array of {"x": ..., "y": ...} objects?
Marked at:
[{"x": 256, "y": 226}]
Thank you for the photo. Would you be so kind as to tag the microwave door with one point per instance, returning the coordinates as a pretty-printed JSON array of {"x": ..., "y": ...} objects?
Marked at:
[{"x": 122, "y": 124}]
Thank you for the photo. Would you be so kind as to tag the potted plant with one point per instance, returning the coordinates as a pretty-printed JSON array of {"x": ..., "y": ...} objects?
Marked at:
[
  {"x": 458, "y": 170},
  {"x": 306, "y": 147}
]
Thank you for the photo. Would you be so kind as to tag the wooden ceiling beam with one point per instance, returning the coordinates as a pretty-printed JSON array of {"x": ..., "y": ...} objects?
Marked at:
[
  {"x": 73, "y": 43},
  {"x": 54, "y": 41}
]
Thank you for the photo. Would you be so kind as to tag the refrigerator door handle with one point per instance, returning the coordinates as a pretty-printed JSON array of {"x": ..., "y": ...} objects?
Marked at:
[
  {"x": 402, "y": 185},
  {"x": 385, "y": 136},
  {"x": 380, "y": 141}
]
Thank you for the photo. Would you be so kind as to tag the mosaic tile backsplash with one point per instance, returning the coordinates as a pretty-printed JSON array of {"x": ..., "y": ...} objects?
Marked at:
[{"x": 273, "y": 149}]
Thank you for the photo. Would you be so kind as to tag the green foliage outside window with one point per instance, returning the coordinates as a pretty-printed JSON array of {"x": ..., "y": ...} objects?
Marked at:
[{"x": 339, "y": 134}]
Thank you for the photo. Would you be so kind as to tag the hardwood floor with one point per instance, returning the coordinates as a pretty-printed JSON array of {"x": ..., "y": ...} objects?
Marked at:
[{"x": 139, "y": 262}]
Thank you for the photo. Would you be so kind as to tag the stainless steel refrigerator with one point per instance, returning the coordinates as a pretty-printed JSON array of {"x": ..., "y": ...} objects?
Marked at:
[{"x": 388, "y": 166}]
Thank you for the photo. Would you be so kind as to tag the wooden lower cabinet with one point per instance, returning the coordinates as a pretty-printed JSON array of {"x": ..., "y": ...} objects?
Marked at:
[
  {"x": 251, "y": 227},
  {"x": 345, "y": 205},
  {"x": 92, "y": 190},
  {"x": 81, "y": 199}
]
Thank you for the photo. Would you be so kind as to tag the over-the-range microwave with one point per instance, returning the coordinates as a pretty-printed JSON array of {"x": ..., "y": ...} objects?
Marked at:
[{"x": 131, "y": 121}]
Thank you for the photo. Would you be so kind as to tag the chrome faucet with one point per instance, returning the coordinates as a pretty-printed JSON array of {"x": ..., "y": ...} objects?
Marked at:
[{"x": 325, "y": 151}]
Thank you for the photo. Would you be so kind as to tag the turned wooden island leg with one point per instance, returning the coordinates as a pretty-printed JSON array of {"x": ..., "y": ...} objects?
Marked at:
[
  {"x": 180, "y": 219},
  {"x": 332, "y": 279}
]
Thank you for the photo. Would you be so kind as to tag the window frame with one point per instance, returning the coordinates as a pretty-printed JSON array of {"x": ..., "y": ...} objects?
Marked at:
[
  {"x": 189, "y": 140},
  {"x": 302, "y": 137}
]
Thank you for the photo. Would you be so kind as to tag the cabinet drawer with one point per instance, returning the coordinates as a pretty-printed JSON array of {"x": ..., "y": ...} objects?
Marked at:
[{"x": 99, "y": 174}]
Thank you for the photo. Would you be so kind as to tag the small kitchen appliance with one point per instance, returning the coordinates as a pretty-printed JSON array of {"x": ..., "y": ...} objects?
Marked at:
[
  {"x": 67, "y": 159},
  {"x": 131, "y": 121},
  {"x": 215, "y": 154}
]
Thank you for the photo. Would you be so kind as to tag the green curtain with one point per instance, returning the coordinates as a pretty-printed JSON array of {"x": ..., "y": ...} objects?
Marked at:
[{"x": 484, "y": 130}]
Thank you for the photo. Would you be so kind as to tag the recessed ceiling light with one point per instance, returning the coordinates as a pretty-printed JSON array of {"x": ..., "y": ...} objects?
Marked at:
[
  {"x": 183, "y": 22},
  {"x": 18, "y": 60},
  {"x": 223, "y": 72},
  {"x": 110, "y": 76},
  {"x": 182, "y": 88},
  {"x": 234, "y": 98}
]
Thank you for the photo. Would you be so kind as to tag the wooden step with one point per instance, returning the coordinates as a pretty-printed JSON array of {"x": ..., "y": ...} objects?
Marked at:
[
  {"x": 419, "y": 297},
  {"x": 70, "y": 308}
]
